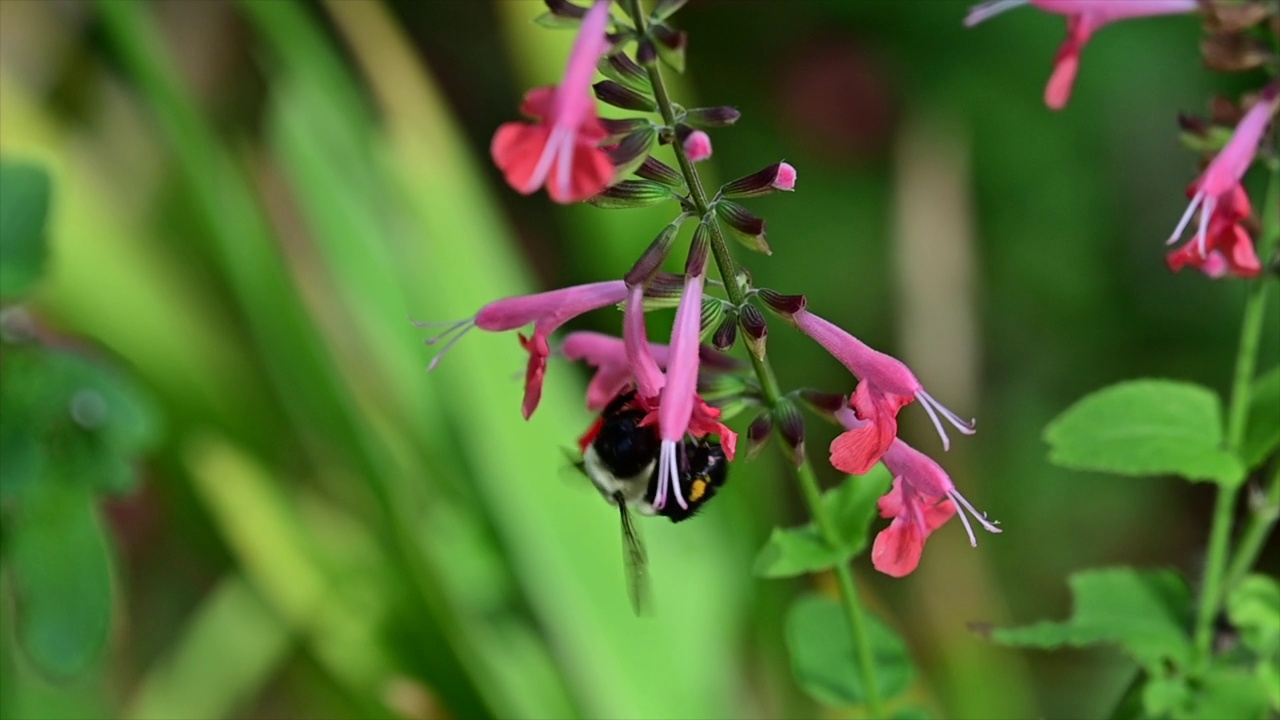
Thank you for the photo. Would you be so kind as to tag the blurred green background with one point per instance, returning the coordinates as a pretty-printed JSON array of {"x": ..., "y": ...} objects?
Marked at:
[{"x": 251, "y": 201}]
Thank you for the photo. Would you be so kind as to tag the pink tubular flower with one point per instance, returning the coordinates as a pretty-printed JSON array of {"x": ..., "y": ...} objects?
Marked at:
[
  {"x": 1219, "y": 184},
  {"x": 560, "y": 149},
  {"x": 885, "y": 385},
  {"x": 1227, "y": 248},
  {"x": 1084, "y": 18},
  {"x": 547, "y": 311},
  {"x": 671, "y": 400},
  {"x": 922, "y": 500},
  {"x": 675, "y": 409},
  {"x": 697, "y": 146}
]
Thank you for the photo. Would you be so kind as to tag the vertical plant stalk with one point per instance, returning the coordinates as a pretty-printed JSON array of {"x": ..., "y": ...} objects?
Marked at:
[
  {"x": 772, "y": 395},
  {"x": 1237, "y": 420}
]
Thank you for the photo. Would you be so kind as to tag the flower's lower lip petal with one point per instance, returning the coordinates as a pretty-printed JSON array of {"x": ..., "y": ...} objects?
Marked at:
[{"x": 897, "y": 549}]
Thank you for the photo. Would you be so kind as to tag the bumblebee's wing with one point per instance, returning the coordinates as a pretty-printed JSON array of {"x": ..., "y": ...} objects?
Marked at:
[{"x": 636, "y": 561}]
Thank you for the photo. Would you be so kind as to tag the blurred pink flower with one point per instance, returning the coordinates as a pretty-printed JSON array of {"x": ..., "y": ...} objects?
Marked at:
[
  {"x": 561, "y": 149},
  {"x": 547, "y": 311},
  {"x": 1227, "y": 248},
  {"x": 608, "y": 355},
  {"x": 1219, "y": 184},
  {"x": 1084, "y": 18}
]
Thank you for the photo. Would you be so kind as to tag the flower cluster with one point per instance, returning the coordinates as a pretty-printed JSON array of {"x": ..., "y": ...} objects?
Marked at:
[
  {"x": 578, "y": 156},
  {"x": 1222, "y": 246}
]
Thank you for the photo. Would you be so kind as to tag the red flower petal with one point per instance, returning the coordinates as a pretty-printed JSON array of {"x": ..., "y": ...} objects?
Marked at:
[
  {"x": 897, "y": 548},
  {"x": 535, "y": 372},
  {"x": 590, "y": 174},
  {"x": 516, "y": 149}
]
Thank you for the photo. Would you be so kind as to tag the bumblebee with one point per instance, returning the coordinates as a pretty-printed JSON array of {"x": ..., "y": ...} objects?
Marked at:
[{"x": 620, "y": 456}]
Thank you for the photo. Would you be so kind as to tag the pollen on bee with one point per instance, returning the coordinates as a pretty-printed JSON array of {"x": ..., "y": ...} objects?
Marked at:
[{"x": 697, "y": 490}]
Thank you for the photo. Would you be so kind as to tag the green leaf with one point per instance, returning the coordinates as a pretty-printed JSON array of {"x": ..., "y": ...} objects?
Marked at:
[
  {"x": 1222, "y": 692},
  {"x": 823, "y": 657},
  {"x": 24, "y": 207},
  {"x": 62, "y": 577},
  {"x": 1262, "y": 433},
  {"x": 851, "y": 506},
  {"x": 1145, "y": 427},
  {"x": 1146, "y": 613},
  {"x": 69, "y": 417},
  {"x": 1253, "y": 607},
  {"x": 796, "y": 551}
]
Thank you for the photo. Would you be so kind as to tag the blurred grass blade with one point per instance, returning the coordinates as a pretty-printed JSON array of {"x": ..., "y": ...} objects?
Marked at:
[
  {"x": 24, "y": 207},
  {"x": 195, "y": 680}
]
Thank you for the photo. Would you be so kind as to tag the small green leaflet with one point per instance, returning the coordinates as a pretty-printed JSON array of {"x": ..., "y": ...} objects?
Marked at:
[
  {"x": 1146, "y": 427},
  {"x": 1146, "y": 613},
  {"x": 1253, "y": 607},
  {"x": 1262, "y": 433},
  {"x": 823, "y": 658},
  {"x": 851, "y": 506}
]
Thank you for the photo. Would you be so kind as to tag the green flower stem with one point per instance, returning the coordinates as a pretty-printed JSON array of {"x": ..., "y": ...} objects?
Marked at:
[
  {"x": 769, "y": 385},
  {"x": 1261, "y": 523},
  {"x": 1237, "y": 419}
]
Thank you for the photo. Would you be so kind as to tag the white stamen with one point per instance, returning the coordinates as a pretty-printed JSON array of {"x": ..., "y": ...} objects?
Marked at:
[
  {"x": 1186, "y": 218},
  {"x": 987, "y": 10},
  {"x": 934, "y": 408},
  {"x": 458, "y": 330},
  {"x": 963, "y": 505},
  {"x": 668, "y": 476},
  {"x": 1210, "y": 203}
]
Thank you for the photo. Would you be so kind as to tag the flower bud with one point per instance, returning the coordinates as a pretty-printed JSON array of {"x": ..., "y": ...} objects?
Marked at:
[
  {"x": 777, "y": 177},
  {"x": 632, "y": 194},
  {"x": 646, "y": 52},
  {"x": 1234, "y": 53},
  {"x": 653, "y": 257},
  {"x": 561, "y": 14},
  {"x": 822, "y": 403},
  {"x": 619, "y": 95},
  {"x": 712, "y": 117},
  {"x": 790, "y": 428},
  {"x": 658, "y": 171},
  {"x": 663, "y": 290},
  {"x": 726, "y": 332},
  {"x": 696, "y": 264},
  {"x": 754, "y": 329},
  {"x": 745, "y": 227},
  {"x": 628, "y": 154},
  {"x": 618, "y": 128},
  {"x": 670, "y": 44},
  {"x": 623, "y": 69},
  {"x": 784, "y": 305},
  {"x": 758, "y": 434},
  {"x": 697, "y": 146},
  {"x": 712, "y": 314},
  {"x": 1233, "y": 17},
  {"x": 665, "y": 9}
]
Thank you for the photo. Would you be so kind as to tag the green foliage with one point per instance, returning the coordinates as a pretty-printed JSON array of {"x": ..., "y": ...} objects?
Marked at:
[
  {"x": 823, "y": 658},
  {"x": 1253, "y": 608},
  {"x": 61, "y": 569},
  {"x": 851, "y": 506},
  {"x": 1146, "y": 613},
  {"x": 1145, "y": 427},
  {"x": 69, "y": 419},
  {"x": 1262, "y": 432},
  {"x": 1221, "y": 692},
  {"x": 24, "y": 207}
]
